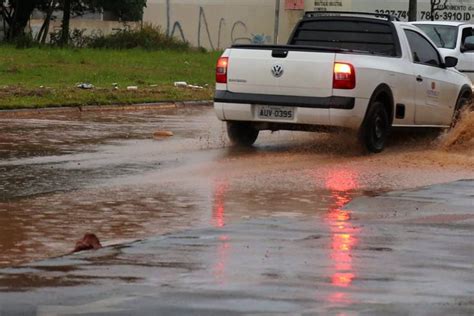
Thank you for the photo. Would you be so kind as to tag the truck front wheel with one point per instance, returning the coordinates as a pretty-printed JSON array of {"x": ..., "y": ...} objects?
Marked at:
[
  {"x": 375, "y": 129},
  {"x": 242, "y": 134}
]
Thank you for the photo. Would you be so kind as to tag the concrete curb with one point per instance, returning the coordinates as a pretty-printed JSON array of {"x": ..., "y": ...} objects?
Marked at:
[{"x": 103, "y": 108}]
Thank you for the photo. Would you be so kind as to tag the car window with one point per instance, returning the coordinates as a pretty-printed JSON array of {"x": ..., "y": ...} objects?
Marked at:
[
  {"x": 444, "y": 36},
  {"x": 466, "y": 32},
  {"x": 469, "y": 40},
  {"x": 422, "y": 50},
  {"x": 467, "y": 37},
  {"x": 374, "y": 36}
]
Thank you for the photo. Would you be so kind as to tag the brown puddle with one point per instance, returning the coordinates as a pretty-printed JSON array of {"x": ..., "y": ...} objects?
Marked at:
[{"x": 287, "y": 174}]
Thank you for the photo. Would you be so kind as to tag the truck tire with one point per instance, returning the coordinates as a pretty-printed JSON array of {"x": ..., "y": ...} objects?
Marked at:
[
  {"x": 242, "y": 134},
  {"x": 374, "y": 132},
  {"x": 462, "y": 105}
]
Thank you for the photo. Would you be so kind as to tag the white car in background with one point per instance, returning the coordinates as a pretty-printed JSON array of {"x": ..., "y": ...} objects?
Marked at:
[
  {"x": 453, "y": 39},
  {"x": 359, "y": 71}
]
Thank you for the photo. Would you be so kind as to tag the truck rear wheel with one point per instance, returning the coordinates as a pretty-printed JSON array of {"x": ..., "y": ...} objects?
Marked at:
[
  {"x": 242, "y": 134},
  {"x": 374, "y": 131}
]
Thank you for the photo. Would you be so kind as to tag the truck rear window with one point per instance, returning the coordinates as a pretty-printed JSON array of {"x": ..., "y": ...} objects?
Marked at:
[{"x": 374, "y": 36}]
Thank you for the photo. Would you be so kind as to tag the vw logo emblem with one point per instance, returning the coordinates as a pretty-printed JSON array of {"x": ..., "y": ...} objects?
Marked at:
[{"x": 277, "y": 70}]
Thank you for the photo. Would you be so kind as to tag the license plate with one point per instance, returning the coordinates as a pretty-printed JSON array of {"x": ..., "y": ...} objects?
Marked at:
[{"x": 272, "y": 112}]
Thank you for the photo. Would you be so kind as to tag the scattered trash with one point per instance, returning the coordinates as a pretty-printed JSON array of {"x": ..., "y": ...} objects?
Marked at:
[
  {"x": 88, "y": 242},
  {"x": 161, "y": 134},
  {"x": 85, "y": 86},
  {"x": 181, "y": 84},
  {"x": 195, "y": 87},
  {"x": 184, "y": 84},
  {"x": 132, "y": 88},
  {"x": 153, "y": 85}
]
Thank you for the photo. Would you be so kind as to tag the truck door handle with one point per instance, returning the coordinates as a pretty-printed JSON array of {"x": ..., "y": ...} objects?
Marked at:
[{"x": 419, "y": 78}]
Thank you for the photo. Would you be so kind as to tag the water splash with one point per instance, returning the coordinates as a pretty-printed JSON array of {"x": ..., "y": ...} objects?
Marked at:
[{"x": 461, "y": 137}]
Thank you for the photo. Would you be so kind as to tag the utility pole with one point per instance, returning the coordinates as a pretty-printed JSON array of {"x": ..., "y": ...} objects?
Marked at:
[
  {"x": 277, "y": 21},
  {"x": 412, "y": 10}
]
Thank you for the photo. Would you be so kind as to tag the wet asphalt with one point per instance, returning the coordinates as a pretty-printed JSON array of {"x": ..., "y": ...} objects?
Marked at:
[{"x": 300, "y": 224}]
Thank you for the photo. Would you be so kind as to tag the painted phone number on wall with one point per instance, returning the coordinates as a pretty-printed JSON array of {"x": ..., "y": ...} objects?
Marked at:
[{"x": 426, "y": 15}]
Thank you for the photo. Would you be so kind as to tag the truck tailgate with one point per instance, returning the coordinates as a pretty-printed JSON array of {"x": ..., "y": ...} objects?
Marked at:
[{"x": 303, "y": 73}]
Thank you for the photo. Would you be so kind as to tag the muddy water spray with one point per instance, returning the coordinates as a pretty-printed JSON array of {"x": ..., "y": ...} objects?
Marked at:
[{"x": 460, "y": 138}]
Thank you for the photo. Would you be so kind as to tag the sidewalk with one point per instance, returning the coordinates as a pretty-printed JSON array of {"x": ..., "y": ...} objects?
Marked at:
[{"x": 403, "y": 253}]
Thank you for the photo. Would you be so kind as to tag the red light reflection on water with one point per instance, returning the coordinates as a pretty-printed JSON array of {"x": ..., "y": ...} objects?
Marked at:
[
  {"x": 341, "y": 182},
  {"x": 221, "y": 187},
  {"x": 218, "y": 209},
  {"x": 223, "y": 251}
]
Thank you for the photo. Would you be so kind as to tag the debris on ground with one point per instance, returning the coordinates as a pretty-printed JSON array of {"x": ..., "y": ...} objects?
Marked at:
[
  {"x": 85, "y": 86},
  {"x": 88, "y": 242},
  {"x": 184, "y": 84},
  {"x": 131, "y": 88},
  {"x": 195, "y": 87},
  {"x": 181, "y": 84},
  {"x": 161, "y": 134}
]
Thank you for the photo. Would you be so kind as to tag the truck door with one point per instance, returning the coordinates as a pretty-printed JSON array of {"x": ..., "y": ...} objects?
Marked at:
[
  {"x": 435, "y": 95},
  {"x": 466, "y": 60}
]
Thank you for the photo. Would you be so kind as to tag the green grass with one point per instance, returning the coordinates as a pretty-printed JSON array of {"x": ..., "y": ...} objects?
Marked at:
[{"x": 40, "y": 77}]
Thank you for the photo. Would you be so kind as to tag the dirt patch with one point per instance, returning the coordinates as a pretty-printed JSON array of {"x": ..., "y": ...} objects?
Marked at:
[
  {"x": 23, "y": 92},
  {"x": 12, "y": 70}
]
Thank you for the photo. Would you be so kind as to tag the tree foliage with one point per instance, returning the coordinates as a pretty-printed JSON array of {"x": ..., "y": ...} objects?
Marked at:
[
  {"x": 16, "y": 13},
  {"x": 125, "y": 10}
]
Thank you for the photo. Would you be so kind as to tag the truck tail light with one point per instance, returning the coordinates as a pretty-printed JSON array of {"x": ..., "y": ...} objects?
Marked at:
[
  {"x": 344, "y": 76},
  {"x": 221, "y": 69}
]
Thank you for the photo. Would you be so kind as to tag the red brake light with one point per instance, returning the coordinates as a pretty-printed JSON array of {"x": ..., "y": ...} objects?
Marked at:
[
  {"x": 344, "y": 76},
  {"x": 221, "y": 70}
]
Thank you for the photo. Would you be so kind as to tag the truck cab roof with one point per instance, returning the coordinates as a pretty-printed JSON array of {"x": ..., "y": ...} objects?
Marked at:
[{"x": 449, "y": 23}]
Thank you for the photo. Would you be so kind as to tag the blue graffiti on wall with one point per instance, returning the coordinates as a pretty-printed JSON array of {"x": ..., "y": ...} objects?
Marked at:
[
  {"x": 238, "y": 33},
  {"x": 261, "y": 39}
]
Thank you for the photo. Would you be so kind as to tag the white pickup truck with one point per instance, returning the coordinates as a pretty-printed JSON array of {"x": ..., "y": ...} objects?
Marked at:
[
  {"x": 453, "y": 39},
  {"x": 364, "y": 72}
]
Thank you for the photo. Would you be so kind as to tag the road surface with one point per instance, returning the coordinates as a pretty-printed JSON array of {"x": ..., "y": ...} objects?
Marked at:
[{"x": 265, "y": 230}]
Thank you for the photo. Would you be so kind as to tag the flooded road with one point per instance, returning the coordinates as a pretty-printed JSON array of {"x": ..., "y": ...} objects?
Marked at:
[{"x": 62, "y": 175}]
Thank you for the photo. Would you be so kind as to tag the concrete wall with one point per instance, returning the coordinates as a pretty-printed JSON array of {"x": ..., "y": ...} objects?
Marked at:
[{"x": 216, "y": 24}]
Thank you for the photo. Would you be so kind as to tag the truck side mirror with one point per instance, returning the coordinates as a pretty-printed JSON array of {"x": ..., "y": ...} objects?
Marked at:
[{"x": 450, "y": 62}]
